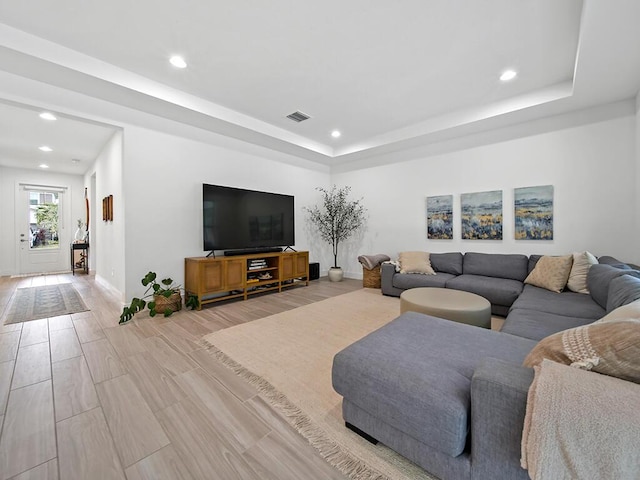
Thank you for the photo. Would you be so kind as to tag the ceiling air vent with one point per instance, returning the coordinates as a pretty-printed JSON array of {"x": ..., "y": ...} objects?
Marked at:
[{"x": 298, "y": 117}]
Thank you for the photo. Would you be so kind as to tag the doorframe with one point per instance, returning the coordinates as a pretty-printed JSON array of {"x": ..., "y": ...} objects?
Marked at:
[
  {"x": 93, "y": 223},
  {"x": 64, "y": 223}
]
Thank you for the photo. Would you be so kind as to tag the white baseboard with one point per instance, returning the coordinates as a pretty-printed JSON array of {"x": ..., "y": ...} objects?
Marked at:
[{"x": 117, "y": 294}]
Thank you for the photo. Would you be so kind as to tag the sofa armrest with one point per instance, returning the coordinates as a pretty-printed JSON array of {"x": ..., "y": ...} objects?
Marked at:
[
  {"x": 498, "y": 403},
  {"x": 387, "y": 271}
]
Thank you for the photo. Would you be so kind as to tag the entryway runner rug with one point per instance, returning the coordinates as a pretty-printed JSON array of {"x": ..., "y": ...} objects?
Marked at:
[
  {"x": 46, "y": 301},
  {"x": 288, "y": 357}
]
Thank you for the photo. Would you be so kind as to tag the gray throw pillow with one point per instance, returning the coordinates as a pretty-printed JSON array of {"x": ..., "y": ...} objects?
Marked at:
[{"x": 622, "y": 290}]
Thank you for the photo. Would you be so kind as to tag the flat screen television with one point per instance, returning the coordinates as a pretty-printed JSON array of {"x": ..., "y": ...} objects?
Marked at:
[{"x": 238, "y": 219}]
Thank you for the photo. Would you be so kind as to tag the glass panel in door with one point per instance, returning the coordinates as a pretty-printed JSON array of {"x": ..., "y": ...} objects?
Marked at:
[
  {"x": 43, "y": 220},
  {"x": 43, "y": 240}
]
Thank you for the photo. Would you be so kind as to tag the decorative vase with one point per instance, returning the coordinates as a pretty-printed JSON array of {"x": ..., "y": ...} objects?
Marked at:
[
  {"x": 80, "y": 235},
  {"x": 336, "y": 274}
]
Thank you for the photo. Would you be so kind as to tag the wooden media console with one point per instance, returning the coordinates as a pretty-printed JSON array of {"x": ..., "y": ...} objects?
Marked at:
[{"x": 223, "y": 278}]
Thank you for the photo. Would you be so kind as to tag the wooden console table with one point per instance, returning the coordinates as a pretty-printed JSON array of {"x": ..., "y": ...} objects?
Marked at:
[
  {"x": 83, "y": 262},
  {"x": 223, "y": 278}
]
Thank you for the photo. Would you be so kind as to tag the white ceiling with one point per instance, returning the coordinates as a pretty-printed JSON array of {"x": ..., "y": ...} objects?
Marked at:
[
  {"x": 75, "y": 143},
  {"x": 388, "y": 75}
]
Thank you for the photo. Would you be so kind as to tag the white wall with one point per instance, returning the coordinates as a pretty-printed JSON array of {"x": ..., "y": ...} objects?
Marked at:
[
  {"x": 592, "y": 168},
  {"x": 9, "y": 179},
  {"x": 637, "y": 190},
  {"x": 107, "y": 238},
  {"x": 163, "y": 176}
]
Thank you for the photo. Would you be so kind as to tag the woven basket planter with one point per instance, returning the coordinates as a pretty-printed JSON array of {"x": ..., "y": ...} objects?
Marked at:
[
  {"x": 173, "y": 303},
  {"x": 371, "y": 278}
]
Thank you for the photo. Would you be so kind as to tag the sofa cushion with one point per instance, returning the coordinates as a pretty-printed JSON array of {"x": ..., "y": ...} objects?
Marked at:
[
  {"x": 415, "y": 262},
  {"x": 600, "y": 276},
  {"x": 495, "y": 265},
  {"x": 622, "y": 290},
  {"x": 536, "y": 325},
  {"x": 499, "y": 291},
  {"x": 551, "y": 273},
  {"x": 582, "y": 262},
  {"x": 416, "y": 280},
  {"x": 447, "y": 262},
  {"x": 608, "y": 260},
  {"x": 630, "y": 310},
  {"x": 569, "y": 304},
  {"x": 408, "y": 375},
  {"x": 611, "y": 348}
]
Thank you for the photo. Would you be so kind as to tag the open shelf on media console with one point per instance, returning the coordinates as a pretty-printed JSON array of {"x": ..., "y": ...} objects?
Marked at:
[{"x": 265, "y": 287}]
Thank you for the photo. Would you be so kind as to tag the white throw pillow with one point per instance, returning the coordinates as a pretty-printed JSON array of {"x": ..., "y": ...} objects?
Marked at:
[{"x": 582, "y": 262}]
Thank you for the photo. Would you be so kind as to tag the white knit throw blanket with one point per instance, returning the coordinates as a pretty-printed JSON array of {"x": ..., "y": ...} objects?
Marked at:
[{"x": 581, "y": 425}]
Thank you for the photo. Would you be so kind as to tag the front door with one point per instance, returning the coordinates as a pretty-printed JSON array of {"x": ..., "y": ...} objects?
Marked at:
[{"x": 43, "y": 229}]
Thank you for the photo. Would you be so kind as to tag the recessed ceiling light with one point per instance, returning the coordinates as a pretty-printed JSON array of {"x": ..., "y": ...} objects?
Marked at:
[
  {"x": 44, "y": 148},
  {"x": 178, "y": 62},
  {"x": 48, "y": 116},
  {"x": 44, "y": 165},
  {"x": 508, "y": 75},
  {"x": 75, "y": 160},
  {"x": 336, "y": 134}
]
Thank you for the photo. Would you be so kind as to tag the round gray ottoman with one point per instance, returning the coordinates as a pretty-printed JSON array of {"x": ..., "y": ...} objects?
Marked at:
[{"x": 456, "y": 305}]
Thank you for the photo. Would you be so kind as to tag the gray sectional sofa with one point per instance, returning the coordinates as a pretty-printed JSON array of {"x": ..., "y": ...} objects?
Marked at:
[{"x": 452, "y": 397}]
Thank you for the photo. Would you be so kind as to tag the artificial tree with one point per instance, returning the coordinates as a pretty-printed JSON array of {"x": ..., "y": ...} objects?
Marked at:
[{"x": 337, "y": 218}]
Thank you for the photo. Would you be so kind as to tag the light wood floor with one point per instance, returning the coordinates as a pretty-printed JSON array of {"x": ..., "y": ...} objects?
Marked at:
[{"x": 84, "y": 398}]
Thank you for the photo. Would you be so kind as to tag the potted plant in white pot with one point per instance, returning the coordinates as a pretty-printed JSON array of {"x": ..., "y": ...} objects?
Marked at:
[{"x": 336, "y": 219}]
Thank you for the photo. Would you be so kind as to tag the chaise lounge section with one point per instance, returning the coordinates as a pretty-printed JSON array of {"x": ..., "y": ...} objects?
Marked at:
[{"x": 408, "y": 385}]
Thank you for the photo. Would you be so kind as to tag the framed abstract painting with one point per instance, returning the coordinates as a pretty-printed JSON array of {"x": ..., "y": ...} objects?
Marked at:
[
  {"x": 440, "y": 217},
  {"x": 533, "y": 212},
  {"x": 481, "y": 214}
]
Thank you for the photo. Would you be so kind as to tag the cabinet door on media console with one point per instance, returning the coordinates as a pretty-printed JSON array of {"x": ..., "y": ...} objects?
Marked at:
[
  {"x": 302, "y": 265},
  {"x": 295, "y": 265},
  {"x": 212, "y": 275},
  {"x": 286, "y": 266},
  {"x": 234, "y": 274}
]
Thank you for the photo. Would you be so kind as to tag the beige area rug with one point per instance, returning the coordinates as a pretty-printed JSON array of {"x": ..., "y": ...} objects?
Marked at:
[
  {"x": 46, "y": 301},
  {"x": 288, "y": 356}
]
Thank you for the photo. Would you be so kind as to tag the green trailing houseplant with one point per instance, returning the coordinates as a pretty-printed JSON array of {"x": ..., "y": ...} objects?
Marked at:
[
  {"x": 337, "y": 217},
  {"x": 159, "y": 291}
]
